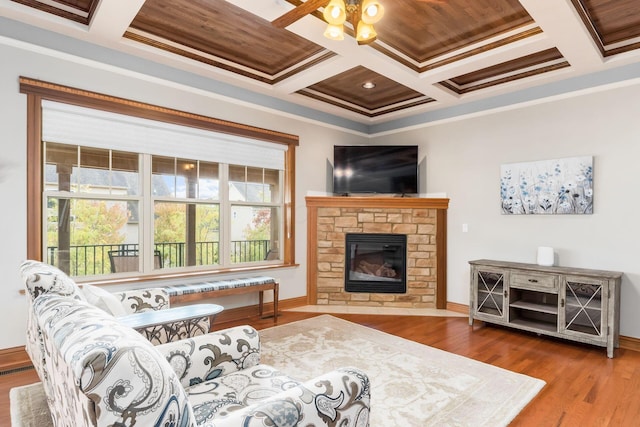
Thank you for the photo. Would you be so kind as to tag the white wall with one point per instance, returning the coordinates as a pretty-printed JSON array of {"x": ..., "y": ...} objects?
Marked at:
[
  {"x": 464, "y": 158},
  {"x": 316, "y": 144}
]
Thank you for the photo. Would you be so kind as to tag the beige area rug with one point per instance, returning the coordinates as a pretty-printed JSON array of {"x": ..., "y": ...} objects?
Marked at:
[
  {"x": 29, "y": 406},
  {"x": 411, "y": 384}
]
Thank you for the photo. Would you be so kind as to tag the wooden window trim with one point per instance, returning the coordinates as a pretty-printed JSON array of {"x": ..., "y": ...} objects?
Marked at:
[{"x": 37, "y": 91}]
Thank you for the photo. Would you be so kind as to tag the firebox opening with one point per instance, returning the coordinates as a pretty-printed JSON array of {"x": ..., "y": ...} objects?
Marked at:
[{"x": 376, "y": 263}]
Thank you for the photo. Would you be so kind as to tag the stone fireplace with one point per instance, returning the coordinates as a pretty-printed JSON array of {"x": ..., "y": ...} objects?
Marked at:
[{"x": 422, "y": 221}]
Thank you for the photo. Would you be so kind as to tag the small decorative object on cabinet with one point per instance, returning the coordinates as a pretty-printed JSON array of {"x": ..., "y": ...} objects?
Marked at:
[{"x": 577, "y": 304}]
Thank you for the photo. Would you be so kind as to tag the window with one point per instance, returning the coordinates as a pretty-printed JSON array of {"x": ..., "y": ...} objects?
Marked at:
[
  {"x": 91, "y": 196},
  {"x": 254, "y": 194},
  {"x": 186, "y": 211},
  {"x": 133, "y": 196}
]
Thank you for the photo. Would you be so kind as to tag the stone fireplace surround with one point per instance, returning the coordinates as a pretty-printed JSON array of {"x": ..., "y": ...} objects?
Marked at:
[{"x": 423, "y": 220}]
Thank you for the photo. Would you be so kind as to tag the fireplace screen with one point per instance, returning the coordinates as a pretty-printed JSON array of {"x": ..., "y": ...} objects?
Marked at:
[{"x": 376, "y": 263}]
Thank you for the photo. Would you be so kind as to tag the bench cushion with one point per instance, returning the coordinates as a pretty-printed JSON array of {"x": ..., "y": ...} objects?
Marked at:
[{"x": 195, "y": 288}]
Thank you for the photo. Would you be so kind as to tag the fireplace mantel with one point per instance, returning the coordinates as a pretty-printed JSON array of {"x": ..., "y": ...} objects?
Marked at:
[
  {"x": 424, "y": 220},
  {"x": 377, "y": 202}
]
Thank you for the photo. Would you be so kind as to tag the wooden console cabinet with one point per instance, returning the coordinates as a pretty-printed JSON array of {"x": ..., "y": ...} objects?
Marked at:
[{"x": 572, "y": 303}]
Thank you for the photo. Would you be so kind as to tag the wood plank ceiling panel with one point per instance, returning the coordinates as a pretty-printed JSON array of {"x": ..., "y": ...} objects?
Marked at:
[
  {"x": 75, "y": 10},
  {"x": 224, "y": 35},
  {"x": 346, "y": 89},
  {"x": 614, "y": 25},
  {"x": 424, "y": 30},
  {"x": 530, "y": 65}
]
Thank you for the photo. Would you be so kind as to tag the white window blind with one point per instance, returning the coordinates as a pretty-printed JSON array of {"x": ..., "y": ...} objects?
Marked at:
[{"x": 69, "y": 124}]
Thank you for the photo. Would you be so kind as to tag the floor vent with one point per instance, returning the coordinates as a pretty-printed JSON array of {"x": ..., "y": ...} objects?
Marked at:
[{"x": 13, "y": 371}]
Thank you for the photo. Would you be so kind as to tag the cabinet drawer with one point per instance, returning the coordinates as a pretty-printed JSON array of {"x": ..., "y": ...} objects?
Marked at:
[{"x": 543, "y": 282}]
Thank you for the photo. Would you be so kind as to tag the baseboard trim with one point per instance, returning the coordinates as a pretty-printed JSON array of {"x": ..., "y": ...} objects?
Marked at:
[
  {"x": 14, "y": 359},
  {"x": 630, "y": 343},
  {"x": 293, "y": 303},
  {"x": 458, "y": 308}
]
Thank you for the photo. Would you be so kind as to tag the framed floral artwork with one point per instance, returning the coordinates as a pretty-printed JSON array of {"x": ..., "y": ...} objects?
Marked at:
[{"x": 560, "y": 186}]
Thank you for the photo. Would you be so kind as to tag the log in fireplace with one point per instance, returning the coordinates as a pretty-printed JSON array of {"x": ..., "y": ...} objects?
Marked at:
[{"x": 375, "y": 263}]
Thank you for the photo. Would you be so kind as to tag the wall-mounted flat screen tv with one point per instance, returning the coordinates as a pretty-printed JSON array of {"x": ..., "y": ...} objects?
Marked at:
[{"x": 383, "y": 169}]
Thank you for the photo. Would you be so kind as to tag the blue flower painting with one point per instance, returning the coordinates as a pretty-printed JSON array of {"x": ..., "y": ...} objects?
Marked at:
[{"x": 561, "y": 186}]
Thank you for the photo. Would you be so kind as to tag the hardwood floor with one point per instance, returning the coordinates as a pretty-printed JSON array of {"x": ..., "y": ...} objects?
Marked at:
[{"x": 584, "y": 387}]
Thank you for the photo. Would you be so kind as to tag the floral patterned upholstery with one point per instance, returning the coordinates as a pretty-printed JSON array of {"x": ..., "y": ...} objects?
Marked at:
[
  {"x": 141, "y": 300},
  {"x": 105, "y": 374},
  {"x": 102, "y": 373},
  {"x": 262, "y": 396},
  {"x": 41, "y": 279}
]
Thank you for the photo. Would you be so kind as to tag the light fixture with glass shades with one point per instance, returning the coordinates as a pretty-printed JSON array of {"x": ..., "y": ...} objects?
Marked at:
[{"x": 362, "y": 14}]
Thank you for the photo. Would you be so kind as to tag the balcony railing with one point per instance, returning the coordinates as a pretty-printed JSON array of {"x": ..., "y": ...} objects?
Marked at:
[{"x": 87, "y": 260}]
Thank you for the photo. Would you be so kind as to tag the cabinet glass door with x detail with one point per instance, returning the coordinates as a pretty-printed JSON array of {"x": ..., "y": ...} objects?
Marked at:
[{"x": 490, "y": 294}]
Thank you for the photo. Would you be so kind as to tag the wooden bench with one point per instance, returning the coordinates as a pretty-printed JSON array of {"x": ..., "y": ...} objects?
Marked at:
[{"x": 196, "y": 291}]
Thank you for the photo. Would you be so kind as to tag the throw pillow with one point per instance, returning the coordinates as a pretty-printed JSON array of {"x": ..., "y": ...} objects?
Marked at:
[{"x": 104, "y": 300}]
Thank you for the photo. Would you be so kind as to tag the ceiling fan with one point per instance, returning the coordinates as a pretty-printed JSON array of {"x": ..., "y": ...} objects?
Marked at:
[{"x": 361, "y": 14}]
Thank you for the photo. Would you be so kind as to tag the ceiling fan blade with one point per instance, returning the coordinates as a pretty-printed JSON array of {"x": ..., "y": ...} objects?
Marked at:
[{"x": 293, "y": 15}]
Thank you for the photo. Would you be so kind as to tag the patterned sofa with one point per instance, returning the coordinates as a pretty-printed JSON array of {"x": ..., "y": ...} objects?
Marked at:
[{"x": 102, "y": 373}]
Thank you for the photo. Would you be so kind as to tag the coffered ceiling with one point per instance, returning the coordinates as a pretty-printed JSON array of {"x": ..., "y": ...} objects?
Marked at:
[{"x": 429, "y": 54}]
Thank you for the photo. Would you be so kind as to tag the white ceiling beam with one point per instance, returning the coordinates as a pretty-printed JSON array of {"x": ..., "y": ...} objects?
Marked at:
[
  {"x": 322, "y": 71},
  {"x": 562, "y": 24},
  {"x": 112, "y": 18}
]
